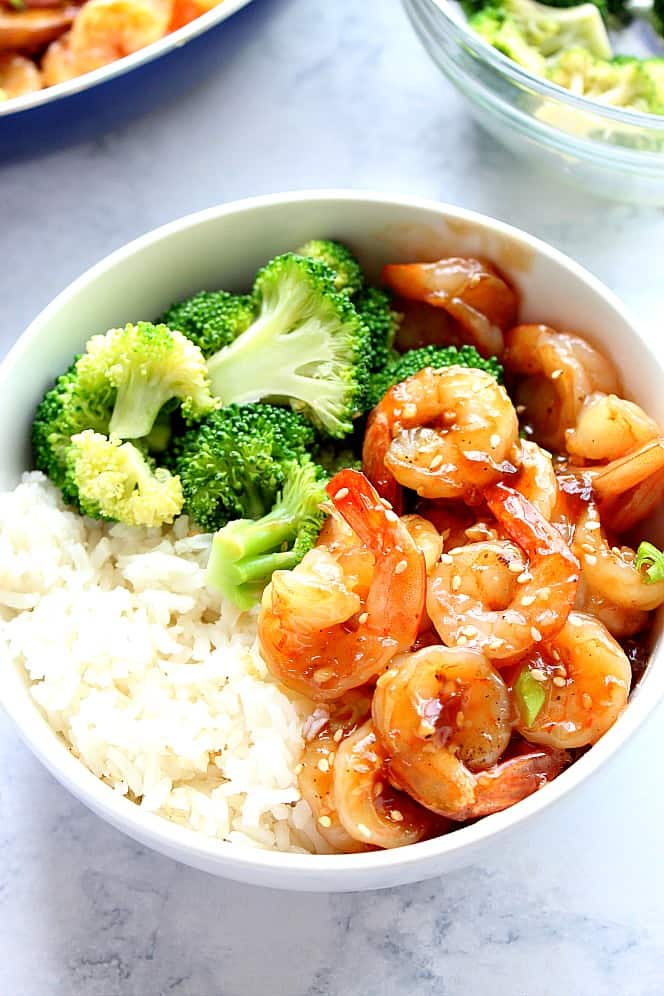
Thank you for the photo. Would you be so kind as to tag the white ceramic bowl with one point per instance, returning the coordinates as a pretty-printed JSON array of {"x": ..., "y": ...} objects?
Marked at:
[{"x": 224, "y": 246}]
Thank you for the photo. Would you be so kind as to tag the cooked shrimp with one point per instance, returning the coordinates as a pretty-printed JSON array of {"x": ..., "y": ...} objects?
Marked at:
[
  {"x": 631, "y": 487},
  {"x": 104, "y": 31},
  {"x": 536, "y": 479},
  {"x": 368, "y": 807},
  {"x": 499, "y": 597},
  {"x": 443, "y": 715},
  {"x": 470, "y": 290},
  {"x": 323, "y": 732},
  {"x": 610, "y": 570},
  {"x": 560, "y": 371},
  {"x": 31, "y": 30},
  {"x": 607, "y": 427},
  {"x": 585, "y": 676},
  {"x": 619, "y": 621},
  {"x": 442, "y": 433},
  {"x": 18, "y": 75},
  {"x": 321, "y": 637},
  {"x": 451, "y": 520},
  {"x": 426, "y": 537}
]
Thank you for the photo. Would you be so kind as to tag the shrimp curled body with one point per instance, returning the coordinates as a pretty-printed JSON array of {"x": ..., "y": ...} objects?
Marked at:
[{"x": 443, "y": 718}]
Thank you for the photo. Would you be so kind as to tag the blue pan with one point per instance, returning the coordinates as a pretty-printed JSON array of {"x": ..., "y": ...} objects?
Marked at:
[{"x": 91, "y": 104}]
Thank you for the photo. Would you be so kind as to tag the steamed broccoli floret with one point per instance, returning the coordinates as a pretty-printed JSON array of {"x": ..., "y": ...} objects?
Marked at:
[
  {"x": 66, "y": 409},
  {"x": 232, "y": 464},
  {"x": 374, "y": 306},
  {"x": 148, "y": 365},
  {"x": 335, "y": 458},
  {"x": 114, "y": 480},
  {"x": 437, "y": 357},
  {"x": 246, "y": 552},
  {"x": 621, "y": 82},
  {"x": 307, "y": 348},
  {"x": 211, "y": 319},
  {"x": 530, "y": 32},
  {"x": 348, "y": 276}
]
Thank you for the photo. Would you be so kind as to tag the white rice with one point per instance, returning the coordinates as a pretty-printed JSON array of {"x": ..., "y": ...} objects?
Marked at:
[{"x": 154, "y": 685}]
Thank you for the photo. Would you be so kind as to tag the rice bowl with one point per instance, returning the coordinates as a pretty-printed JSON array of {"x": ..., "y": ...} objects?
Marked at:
[{"x": 280, "y": 222}]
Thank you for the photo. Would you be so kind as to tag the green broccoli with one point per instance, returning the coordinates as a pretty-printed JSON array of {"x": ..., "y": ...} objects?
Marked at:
[
  {"x": 115, "y": 480},
  {"x": 148, "y": 365},
  {"x": 348, "y": 276},
  {"x": 335, "y": 458},
  {"x": 658, "y": 15},
  {"x": 232, "y": 464},
  {"x": 530, "y": 33},
  {"x": 246, "y": 552},
  {"x": 307, "y": 347},
  {"x": 67, "y": 409},
  {"x": 624, "y": 81},
  {"x": 211, "y": 319},
  {"x": 438, "y": 357},
  {"x": 374, "y": 306},
  {"x": 616, "y": 13}
]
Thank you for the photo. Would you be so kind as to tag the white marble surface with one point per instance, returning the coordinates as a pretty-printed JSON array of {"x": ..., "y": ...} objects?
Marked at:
[{"x": 313, "y": 94}]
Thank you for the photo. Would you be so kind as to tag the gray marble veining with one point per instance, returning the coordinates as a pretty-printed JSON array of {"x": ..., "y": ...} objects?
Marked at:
[{"x": 312, "y": 94}]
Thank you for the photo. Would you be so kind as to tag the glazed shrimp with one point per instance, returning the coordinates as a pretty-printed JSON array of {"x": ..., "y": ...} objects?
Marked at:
[
  {"x": 501, "y": 597},
  {"x": 426, "y": 538},
  {"x": 323, "y": 732},
  {"x": 31, "y": 30},
  {"x": 318, "y": 635},
  {"x": 560, "y": 371},
  {"x": 470, "y": 290},
  {"x": 443, "y": 717},
  {"x": 607, "y": 427},
  {"x": 442, "y": 433},
  {"x": 631, "y": 487},
  {"x": 585, "y": 676},
  {"x": 18, "y": 75},
  {"x": 368, "y": 807},
  {"x": 104, "y": 31},
  {"x": 536, "y": 479}
]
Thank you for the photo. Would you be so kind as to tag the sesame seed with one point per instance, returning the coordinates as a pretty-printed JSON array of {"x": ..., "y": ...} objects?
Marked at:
[
  {"x": 456, "y": 582},
  {"x": 524, "y": 578},
  {"x": 556, "y": 374},
  {"x": 298, "y": 769},
  {"x": 460, "y": 719},
  {"x": 593, "y": 524},
  {"x": 559, "y": 682},
  {"x": 616, "y": 550},
  {"x": 446, "y": 559},
  {"x": 462, "y": 641},
  {"x": 410, "y": 410},
  {"x": 341, "y": 494},
  {"x": 496, "y": 642},
  {"x": 321, "y": 675},
  {"x": 538, "y": 674},
  {"x": 555, "y": 654},
  {"x": 588, "y": 547},
  {"x": 377, "y": 789},
  {"x": 323, "y": 765},
  {"x": 401, "y": 567},
  {"x": 587, "y": 701},
  {"x": 515, "y": 567},
  {"x": 527, "y": 600},
  {"x": 338, "y": 735},
  {"x": 390, "y": 515},
  {"x": 470, "y": 631},
  {"x": 325, "y": 821},
  {"x": 364, "y": 830},
  {"x": 535, "y": 633},
  {"x": 435, "y": 461},
  {"x": 330, "y": 758},
  {"x": 449, "y": 415},
  {"x": 591, "y": 559},
  {"x": 495, "y": 440},
  {"x": 362, "y": 618},
  {"x": 544, "y": 593},
  {"x": 396, "y": 815},
  {"x": 520, "y": 409}
]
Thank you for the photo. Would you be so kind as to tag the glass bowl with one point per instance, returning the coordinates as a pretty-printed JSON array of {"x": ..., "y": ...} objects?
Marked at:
[{"x": 613, "y": 152}]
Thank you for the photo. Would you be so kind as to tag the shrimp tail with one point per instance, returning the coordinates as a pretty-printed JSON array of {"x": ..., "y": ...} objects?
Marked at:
[
  {"x": 527, "y": 527},
  {"x": 506, "y": 783}
]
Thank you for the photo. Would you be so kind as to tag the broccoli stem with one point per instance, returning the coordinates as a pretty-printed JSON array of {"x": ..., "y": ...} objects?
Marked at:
[{"x": 136, "y": 408}]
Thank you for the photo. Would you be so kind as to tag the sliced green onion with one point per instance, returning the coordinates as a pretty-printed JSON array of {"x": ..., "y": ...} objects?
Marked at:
[
  {"x": 652, "y": 559},
  {"x": 530, "y": 696}
]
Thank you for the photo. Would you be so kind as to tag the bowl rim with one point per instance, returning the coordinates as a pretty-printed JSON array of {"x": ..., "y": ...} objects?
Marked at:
[
  {"x": 519, "y": 75},
  {"x": 176, "y": 39},
  {"x": 190, "y": 845}
]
